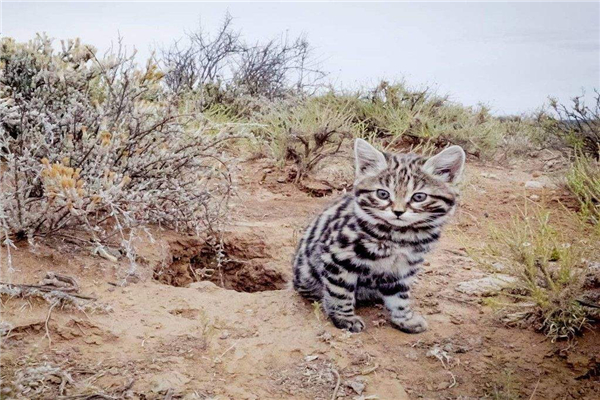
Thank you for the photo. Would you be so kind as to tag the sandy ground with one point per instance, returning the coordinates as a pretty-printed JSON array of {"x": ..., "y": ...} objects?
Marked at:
[{"x": 170, "y": 336}]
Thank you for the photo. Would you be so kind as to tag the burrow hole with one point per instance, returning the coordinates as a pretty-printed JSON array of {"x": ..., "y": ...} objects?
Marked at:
[{"x": 242, "y": 265}]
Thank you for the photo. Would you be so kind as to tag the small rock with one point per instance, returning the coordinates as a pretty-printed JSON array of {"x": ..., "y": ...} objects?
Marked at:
[
  {"x": 534, "y": 197},
  {"x": 448, "y": 348},
  {"x": 592, "y": 275},
  {"x": 224, "y": 335},
  {"x": 536, "y": 174},
  {"x": 169, "y": 381},
  {"x": 550, "y": 164},
  {"x": 485, "y": 286},
  {"x": 488, "y": 175},
  {"x": 357, "y": 385},
  {"x": 311, "y": 358},
  {"x": 5, "y": 328},
  {"x": 534, "y": 185},
  {"x": 93, "y": 339},
  {"x": 325, "y": 336}
]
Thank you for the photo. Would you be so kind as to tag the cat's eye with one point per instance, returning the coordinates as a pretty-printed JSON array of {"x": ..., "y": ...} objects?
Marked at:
[
  {"x": 419, "y": 197},
  {"x": 383, "y": 194}
]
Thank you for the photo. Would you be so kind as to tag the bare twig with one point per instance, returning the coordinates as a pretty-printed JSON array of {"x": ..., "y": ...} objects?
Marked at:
[
  {"x": 45, "y": 289},
  {"x": 534, "y": 389},
  {"x": 337, "y": 385},
  {"x": 47, "y": 321}
]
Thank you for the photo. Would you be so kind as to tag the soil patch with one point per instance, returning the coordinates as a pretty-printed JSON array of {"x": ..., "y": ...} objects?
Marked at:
[{"x": 240, "y": 263}]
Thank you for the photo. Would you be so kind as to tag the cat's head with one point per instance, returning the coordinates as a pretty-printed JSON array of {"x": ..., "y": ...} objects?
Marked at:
[{"x": 405, "y": 189}]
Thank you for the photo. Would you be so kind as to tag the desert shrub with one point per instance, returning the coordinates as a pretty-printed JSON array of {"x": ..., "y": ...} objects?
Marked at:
[
  {"x": 276, "y": 68},
  {"x": 396, "y": 115},
  {"x": 578, "y": 124},
  {"x": 398, "y": 118},
  {"x": 305, "y": 131},
  {"x": 200, "y": 60},
  {"x": 550, "y": 269},
  {"x": 96, "y": 145},
  {"x": 583, "y": 181},
  {"x": 221, "y": 67}
]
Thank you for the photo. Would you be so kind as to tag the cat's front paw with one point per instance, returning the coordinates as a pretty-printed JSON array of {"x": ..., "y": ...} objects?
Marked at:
[
  {"x": 416, "y": 324},
  {"x": 353, "y": 323}
]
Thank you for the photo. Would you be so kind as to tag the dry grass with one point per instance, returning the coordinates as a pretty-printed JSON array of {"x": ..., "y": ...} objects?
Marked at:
[
  {"x": 395, "y": 116},
  {"x": 27, "y": 378},
  {"x": 305, "y": 132},
  {"x": 583, "y": 181},
  {"x": 550, "y": 266}
]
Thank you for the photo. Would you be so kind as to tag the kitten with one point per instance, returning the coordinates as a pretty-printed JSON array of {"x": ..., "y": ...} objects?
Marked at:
[{"x": 368, "y": 245}]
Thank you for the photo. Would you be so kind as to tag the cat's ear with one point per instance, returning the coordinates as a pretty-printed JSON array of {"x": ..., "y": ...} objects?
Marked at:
[
  {"x": 447, "y": 165},
  {"x": 368, "y": 160}
]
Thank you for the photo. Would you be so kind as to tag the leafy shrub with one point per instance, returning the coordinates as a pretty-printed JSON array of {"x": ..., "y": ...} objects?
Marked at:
[
  {"x": 550, "y": 274},
  {"x": 96, "y": 145}
]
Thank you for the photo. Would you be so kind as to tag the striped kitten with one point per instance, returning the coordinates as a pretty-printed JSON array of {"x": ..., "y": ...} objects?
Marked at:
[{"x": 368, "y": 245}]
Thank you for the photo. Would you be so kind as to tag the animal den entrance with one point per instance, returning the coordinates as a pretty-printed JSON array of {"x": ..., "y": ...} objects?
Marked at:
[{"x": 241, "y": 265}]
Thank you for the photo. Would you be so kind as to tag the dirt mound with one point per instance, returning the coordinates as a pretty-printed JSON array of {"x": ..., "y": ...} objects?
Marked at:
[{"x": 240, "y": 263}]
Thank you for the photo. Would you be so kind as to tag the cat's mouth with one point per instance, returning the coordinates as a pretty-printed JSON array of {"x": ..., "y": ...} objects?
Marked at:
[{"x": 405, "y": 219}]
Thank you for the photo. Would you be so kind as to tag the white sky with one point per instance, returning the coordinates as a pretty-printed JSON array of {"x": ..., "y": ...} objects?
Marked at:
[{"x": 510, "y": 56}]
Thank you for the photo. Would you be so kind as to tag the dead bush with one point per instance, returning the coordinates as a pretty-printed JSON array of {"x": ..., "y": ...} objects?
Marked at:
[{"x": 578, "y": 124}]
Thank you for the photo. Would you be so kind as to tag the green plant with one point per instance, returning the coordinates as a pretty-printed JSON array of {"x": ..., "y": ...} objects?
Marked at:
[
  {"x": 549, "y": 270},
  {"x": 306, "y": 132},
  {"x": 503, "y": 386},
  {"x": 583, "y": 181},
  {"x": 399, "y": 115}
]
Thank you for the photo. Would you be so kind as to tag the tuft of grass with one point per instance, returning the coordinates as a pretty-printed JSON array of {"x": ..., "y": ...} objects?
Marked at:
[
  {"x": 583, "y": 181},
  {"x": 395, "y": 116},
  {"x": 549, "y": 267},
  {"x": 306, "y": 132},
  {"x": 503, "y": 386}
]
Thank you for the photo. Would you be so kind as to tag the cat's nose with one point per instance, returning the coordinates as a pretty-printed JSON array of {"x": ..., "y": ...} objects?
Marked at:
[{"x": 398, "y": 212}]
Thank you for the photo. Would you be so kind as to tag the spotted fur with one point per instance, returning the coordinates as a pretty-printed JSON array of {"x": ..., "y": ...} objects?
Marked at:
[{"x": 368, "y": 245}]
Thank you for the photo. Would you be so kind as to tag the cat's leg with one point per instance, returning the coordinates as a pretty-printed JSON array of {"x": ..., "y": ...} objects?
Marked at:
[
  {"x": 339, "y": 300},
  {"x": 309, "y": 286},
  {"x": 396, "y": 297},
  {"x": 307, "y": 280},
  {"x": 366, "y": 297}
]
